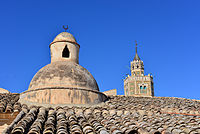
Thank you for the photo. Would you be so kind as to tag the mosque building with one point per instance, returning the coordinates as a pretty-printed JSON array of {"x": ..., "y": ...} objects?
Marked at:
[{"x": 64, "y": 98}]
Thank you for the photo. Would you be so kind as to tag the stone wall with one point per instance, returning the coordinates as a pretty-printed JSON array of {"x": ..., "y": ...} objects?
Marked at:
[{"x": 111, "y": 92}]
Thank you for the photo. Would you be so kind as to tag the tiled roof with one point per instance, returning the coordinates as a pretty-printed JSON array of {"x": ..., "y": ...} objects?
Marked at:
[
  {"x": 118, "y": 115},
  {"x": 8, "y": 103}
]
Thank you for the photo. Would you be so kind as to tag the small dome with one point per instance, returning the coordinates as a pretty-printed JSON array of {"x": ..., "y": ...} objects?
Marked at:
[
  {"x": 63, "y": 74},
  {"x": 63, "y": 81},
  {"x": 64, "y": 36},
  {"x": 4, "y": 90}
]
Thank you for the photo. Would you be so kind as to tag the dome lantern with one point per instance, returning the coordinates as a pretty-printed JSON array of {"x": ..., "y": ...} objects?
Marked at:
[{"x": 64, "y": 48}]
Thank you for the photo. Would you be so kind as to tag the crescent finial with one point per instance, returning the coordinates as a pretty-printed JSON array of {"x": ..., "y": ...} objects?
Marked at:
[{"x": 65, "y": 27}]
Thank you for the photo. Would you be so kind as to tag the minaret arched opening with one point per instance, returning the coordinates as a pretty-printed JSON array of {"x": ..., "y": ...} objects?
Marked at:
[{"x": 65, "y": 53}]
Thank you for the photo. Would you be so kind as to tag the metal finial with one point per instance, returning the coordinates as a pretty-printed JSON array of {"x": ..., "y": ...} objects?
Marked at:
[
  {"x": 136, "y": 46},
  {"x": 65, "y": 27}
]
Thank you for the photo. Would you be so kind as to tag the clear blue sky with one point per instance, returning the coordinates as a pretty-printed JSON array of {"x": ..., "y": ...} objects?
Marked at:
[{"x": 168, "y": 34}]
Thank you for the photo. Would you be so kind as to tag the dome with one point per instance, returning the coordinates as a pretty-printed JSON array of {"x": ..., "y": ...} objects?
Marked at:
[
  {"x": 63, "y": 74},
  {"x": 4, "y": 90},
  {"x": 64, "y": 36},
  {"x": 63, "y": 81}
]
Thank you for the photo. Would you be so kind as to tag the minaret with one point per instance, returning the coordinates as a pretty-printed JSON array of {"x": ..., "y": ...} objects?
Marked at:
[{"x": 138, "y": 84}]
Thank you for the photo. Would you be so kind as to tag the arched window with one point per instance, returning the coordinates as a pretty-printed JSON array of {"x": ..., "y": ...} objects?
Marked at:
[
  {"x": 65, "y": 52},
  {"x": 143, "y": 89}
]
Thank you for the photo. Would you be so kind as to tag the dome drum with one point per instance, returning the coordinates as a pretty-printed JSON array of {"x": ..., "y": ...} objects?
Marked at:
[{"x": 62, "y": 96}]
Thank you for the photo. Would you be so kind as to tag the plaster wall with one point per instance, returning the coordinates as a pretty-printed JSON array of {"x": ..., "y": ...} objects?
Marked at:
[
  {"x": 59, "y": 96},
  {"x": 57, "y": 49}
]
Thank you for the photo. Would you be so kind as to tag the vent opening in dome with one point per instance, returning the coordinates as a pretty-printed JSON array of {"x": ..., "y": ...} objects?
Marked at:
[
  {"x": 157, "y": 132},
  {"x": 133, "y": 132},
  {"x": 65, "y": 53}
]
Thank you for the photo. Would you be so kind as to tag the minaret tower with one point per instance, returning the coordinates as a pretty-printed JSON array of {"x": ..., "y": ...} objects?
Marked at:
[{"x": 138, "y": 84}]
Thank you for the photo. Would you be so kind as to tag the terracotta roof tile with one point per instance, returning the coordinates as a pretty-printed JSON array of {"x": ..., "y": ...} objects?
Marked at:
[
  {"x": 8, "y": 103},
  {"x": 119, "y": 115}
]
